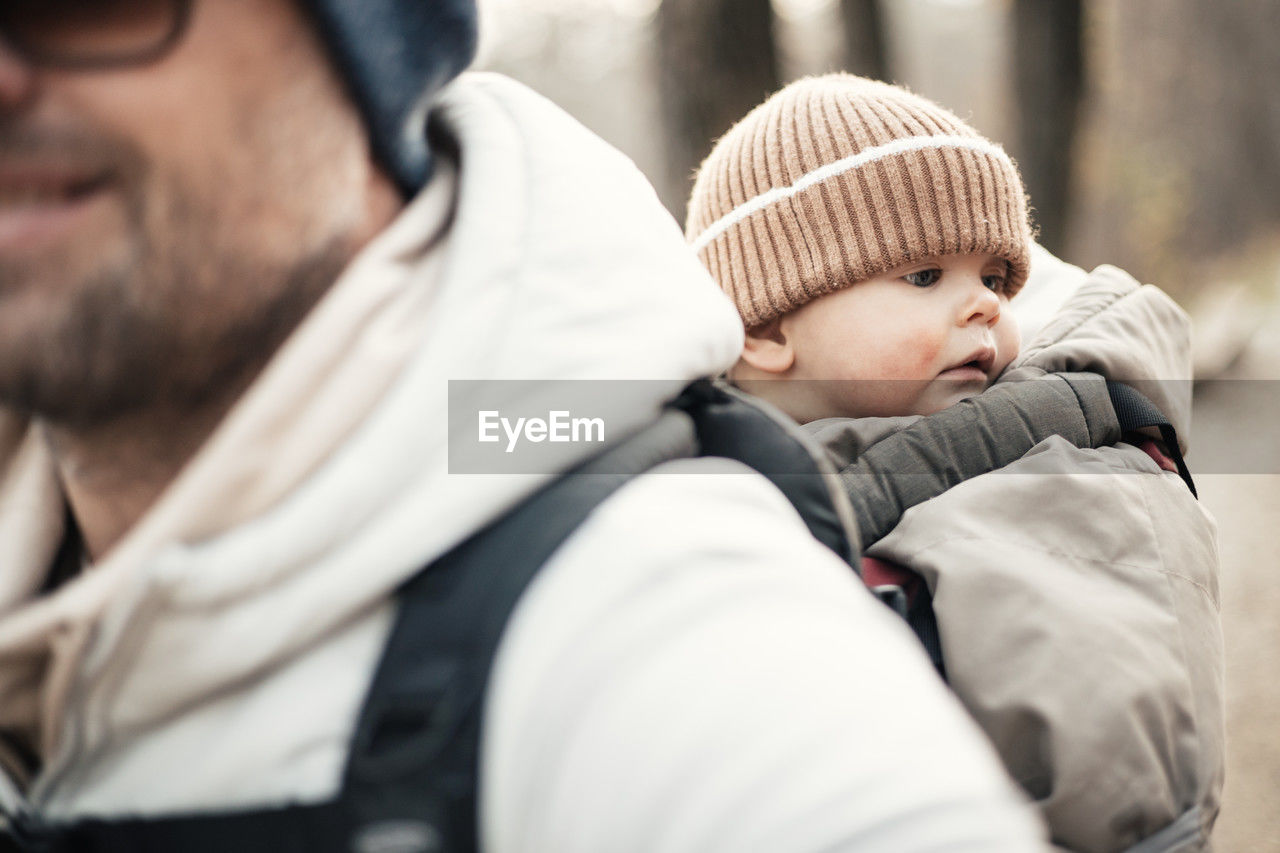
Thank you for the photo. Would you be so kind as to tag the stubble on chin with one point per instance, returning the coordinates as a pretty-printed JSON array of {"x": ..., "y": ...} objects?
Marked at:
[{"x": 177, "y": 313}]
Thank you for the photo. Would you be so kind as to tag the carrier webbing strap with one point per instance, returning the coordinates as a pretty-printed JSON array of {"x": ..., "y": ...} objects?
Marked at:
[
  {"x": 415, "y": 758},
  {"x": 289, "y": 829},
  {"x": 1136, "y": 412},
  {"x": 732, "y": 425}
]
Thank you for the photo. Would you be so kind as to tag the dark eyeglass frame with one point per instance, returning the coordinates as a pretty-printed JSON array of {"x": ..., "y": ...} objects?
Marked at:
[{"x": 87, "y": 60}]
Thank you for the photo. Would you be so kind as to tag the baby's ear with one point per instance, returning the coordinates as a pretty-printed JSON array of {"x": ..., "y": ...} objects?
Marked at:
[{"x": 768, "y": 349}]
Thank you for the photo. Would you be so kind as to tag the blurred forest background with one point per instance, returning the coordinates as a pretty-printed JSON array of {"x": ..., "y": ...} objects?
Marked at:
[
  {"x": 1148, "y": 135},
  {"x": 1147, "y": 131}
]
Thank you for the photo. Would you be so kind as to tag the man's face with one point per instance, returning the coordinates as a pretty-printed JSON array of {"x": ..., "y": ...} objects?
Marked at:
[
  {"x": 164, "y": 225},
  {"x": 913, "y": 341}
]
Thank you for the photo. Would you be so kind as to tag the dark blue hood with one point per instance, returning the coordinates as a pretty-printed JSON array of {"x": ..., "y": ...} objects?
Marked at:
[{"x": 395, "y": 55}]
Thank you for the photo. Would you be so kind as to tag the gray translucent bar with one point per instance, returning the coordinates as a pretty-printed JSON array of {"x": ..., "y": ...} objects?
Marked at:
[
  {"x": 545, "y": 427},
  {"x": 1235, "y": 427}
]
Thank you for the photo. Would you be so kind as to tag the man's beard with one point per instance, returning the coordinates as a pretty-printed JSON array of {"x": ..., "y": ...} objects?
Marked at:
[{"x": 185, "y": 315}]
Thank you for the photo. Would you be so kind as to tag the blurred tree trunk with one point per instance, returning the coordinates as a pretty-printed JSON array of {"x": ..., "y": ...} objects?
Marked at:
[
  {"x": 1049, "y": 74},
  {"x": 1180, "y": 166},
  {"x": 717, "y": 60},
  {"x": 864, "y": 38}
]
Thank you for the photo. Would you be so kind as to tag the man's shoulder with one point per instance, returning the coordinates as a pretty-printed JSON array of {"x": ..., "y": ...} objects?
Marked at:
[
  {"x": 473, "y": 86},
  {"x": 691, "y": 635},
  {"x": 704, "y": 510},
  {"x": 501, "y": 98}
]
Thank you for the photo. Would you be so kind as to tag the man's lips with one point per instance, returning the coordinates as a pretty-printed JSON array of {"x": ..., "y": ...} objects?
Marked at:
[{"x": 42, "y": 204}]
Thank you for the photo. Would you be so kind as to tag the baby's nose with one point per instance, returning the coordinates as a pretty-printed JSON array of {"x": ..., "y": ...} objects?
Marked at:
[{"x": 982, "y": 304}]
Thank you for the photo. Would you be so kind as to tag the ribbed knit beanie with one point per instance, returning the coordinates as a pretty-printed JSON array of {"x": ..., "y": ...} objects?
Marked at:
[{"x": 837, "y": 179}]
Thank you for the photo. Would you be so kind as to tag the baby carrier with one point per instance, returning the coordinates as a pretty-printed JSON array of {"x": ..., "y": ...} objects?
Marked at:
[{"x": 410, "y": 782}]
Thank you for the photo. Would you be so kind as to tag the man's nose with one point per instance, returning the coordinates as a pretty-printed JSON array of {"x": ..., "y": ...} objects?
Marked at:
[
  {"x": 981, "y": 304},
  {"x": 17, "y": 77}
]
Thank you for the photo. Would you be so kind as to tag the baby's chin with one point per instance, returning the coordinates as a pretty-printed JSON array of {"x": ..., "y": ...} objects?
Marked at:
[{"x": 936, "y": 400}]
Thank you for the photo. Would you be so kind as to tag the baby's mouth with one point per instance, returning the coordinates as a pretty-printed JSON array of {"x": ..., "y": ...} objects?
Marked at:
[
  {"x": 976, "y": 368},
  {"x": 968, "y": 372}
]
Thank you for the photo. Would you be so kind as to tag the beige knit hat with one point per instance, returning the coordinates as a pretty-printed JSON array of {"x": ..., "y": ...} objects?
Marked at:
[{"x": 837, "y": 179}]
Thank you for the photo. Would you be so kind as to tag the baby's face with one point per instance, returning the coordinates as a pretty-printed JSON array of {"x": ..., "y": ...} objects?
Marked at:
[{"x": 912, "y": 341}]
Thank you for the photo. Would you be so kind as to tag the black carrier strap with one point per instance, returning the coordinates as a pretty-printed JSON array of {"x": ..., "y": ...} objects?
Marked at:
[
  {"x": 734, "y": 425},
  {"x": 1135, "y": 412},
  {"x": 411, "y": 780},
  {"x": 415, "y": 757},
  {"x": 416, "y": 752},
  {"x": 291, "y": 829}
]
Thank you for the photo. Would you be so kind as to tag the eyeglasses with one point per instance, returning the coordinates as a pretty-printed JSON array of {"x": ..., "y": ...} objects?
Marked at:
[{"x": 92, "y": 33}]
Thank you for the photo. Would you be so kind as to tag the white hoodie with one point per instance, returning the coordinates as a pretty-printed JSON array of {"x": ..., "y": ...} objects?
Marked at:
[{"x": 690, "y": 672}]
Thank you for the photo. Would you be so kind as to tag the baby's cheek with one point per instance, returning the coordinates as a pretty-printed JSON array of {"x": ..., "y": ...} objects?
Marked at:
[
  {"x": 926, "y": 359},
  {"x": 1008, "y": 340},
  {"x": 918, "y": 358}
]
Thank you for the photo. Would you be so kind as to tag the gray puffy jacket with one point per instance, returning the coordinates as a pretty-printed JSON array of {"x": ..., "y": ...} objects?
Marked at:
[{"x": 1076, "y": 594}]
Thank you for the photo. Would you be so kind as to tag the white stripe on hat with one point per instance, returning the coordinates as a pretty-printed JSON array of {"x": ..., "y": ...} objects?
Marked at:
[{"x": 839, "y": 167}]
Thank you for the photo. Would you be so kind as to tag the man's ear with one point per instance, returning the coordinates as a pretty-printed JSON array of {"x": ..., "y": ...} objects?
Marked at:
[{"x": 768, "y": 349}]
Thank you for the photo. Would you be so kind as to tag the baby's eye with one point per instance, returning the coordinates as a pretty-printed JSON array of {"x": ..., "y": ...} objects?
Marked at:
[
  {"x": 994, "y": 283},
  {"x": 923, "y": 278}
]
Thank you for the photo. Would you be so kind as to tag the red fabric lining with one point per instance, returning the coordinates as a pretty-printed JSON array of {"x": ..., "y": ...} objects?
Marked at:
[
  {"x": 1153, "y": 450},
  {"x": 883, "y": 573}
]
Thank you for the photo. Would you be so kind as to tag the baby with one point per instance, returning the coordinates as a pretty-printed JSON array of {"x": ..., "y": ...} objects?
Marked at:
[{"x": 871, "y": 242}]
